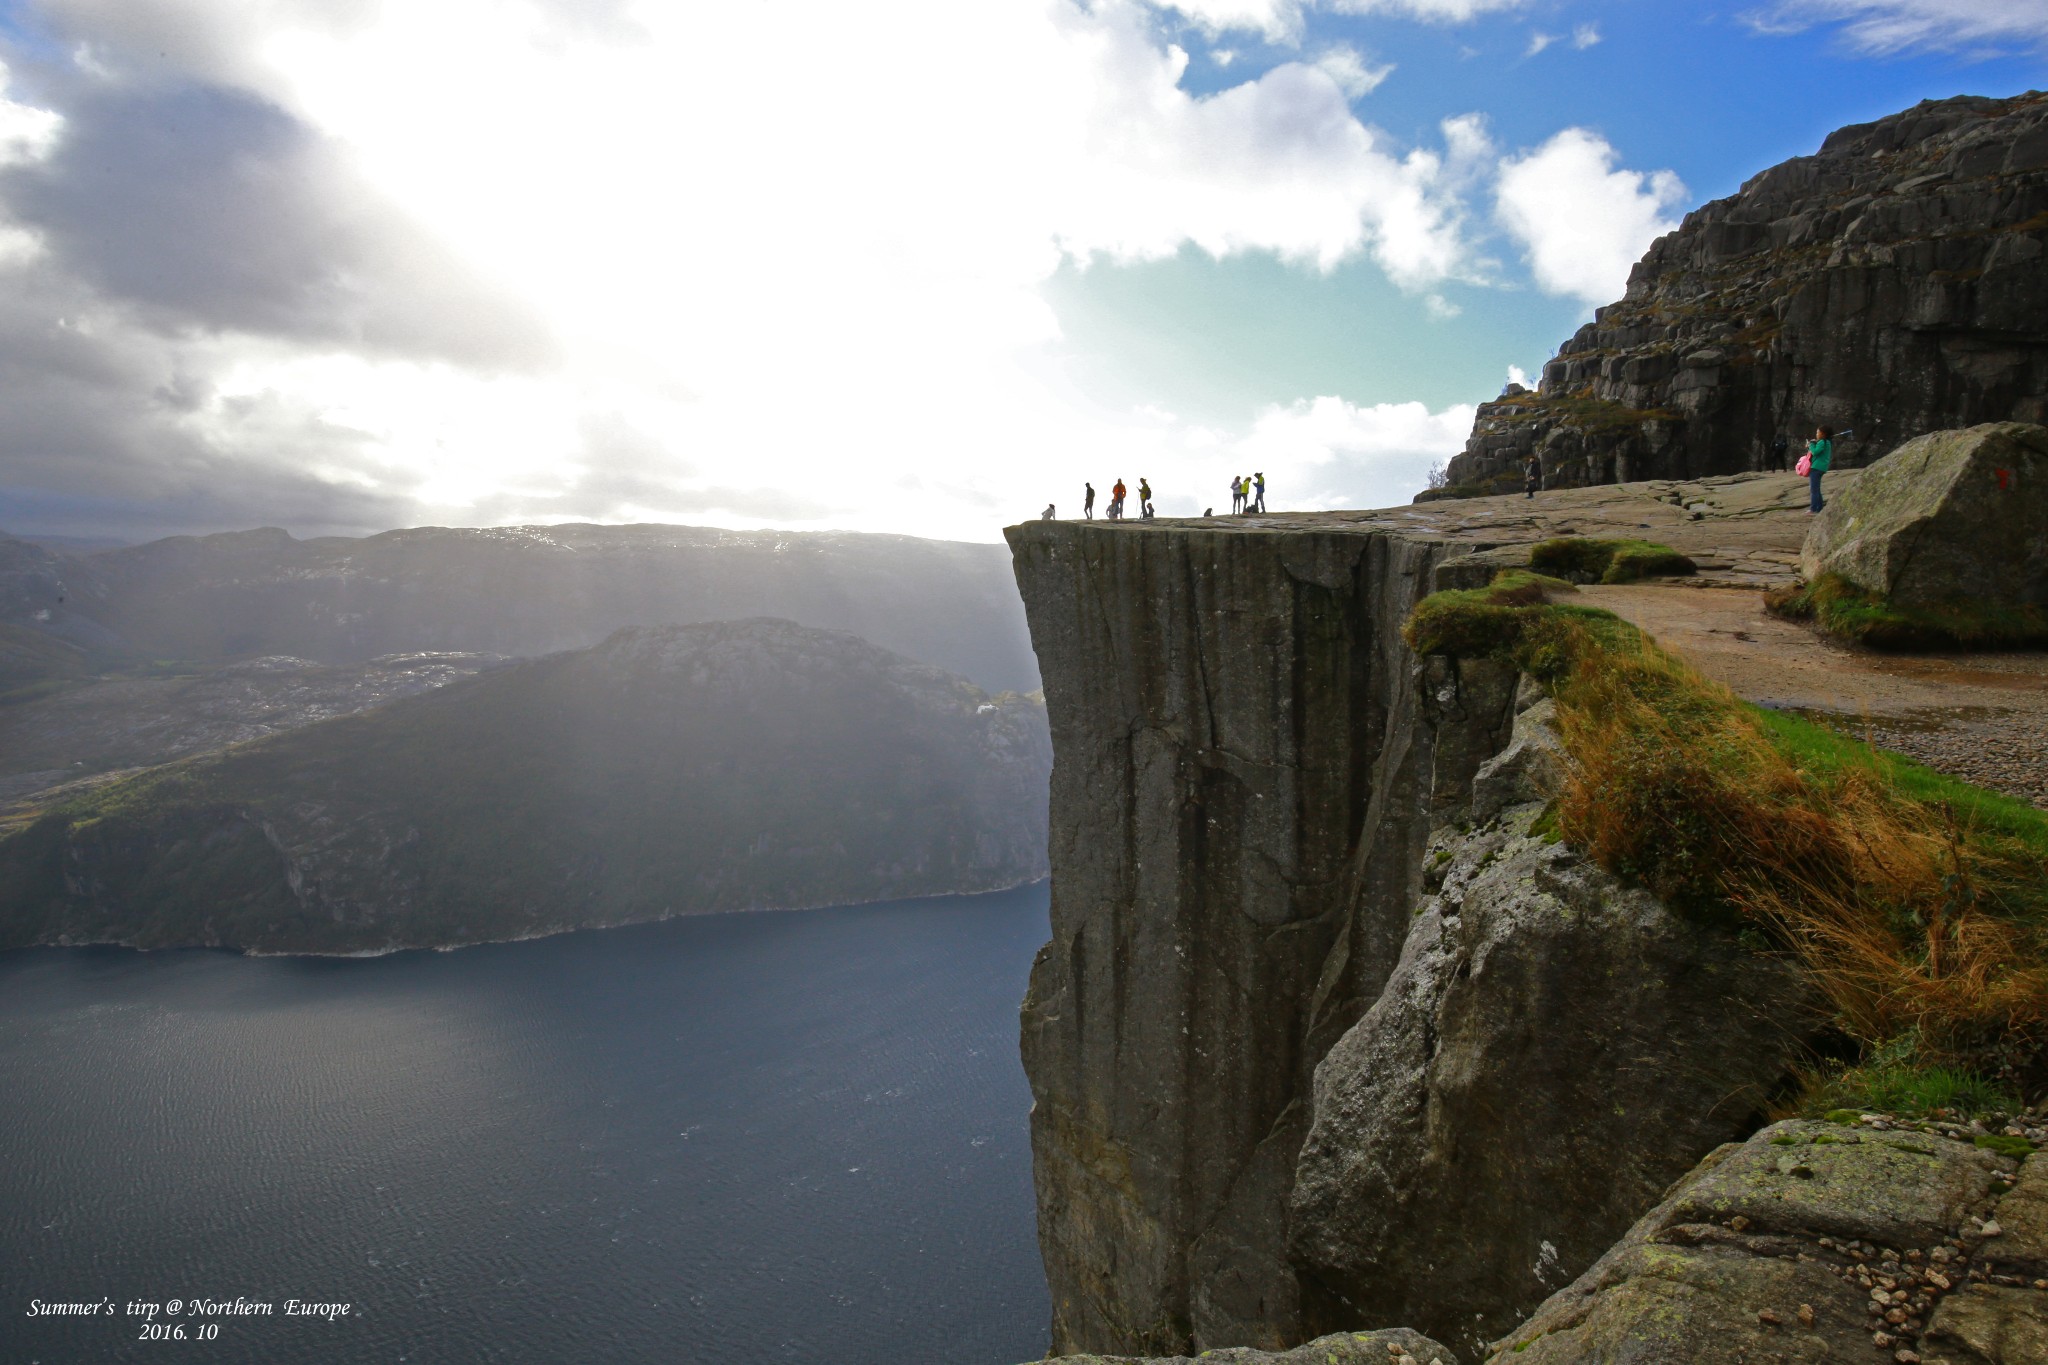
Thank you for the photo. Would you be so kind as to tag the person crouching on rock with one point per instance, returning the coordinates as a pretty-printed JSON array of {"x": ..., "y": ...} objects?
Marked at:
[
  {"x": 1532, "y": 476},
  {"x": 1820, "y": 453}
]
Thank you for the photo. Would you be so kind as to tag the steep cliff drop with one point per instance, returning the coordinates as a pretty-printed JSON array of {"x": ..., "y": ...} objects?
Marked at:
[
  {"x": 1241, "y": 791},
  {"x": 1895, "y": 283},
  {"x": 1263, "y": 804}
]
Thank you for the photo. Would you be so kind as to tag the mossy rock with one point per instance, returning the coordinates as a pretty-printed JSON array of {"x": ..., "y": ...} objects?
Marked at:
[{"x": 1581, "y": 559}]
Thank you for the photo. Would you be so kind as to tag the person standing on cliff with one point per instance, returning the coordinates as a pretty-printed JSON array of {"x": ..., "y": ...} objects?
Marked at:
[
  {"x": 1116, "y": 499},
  {"x": 1088, "y": 502},
  {"x": 1259, "y": 484},
  {"x": 1820, "y": 453},
  {"x": 1532, "y": 475},
  {"x": 1144, "y": 498},
  {"x": 1778, "y": 449},
  {"x": 1236, "y": 495}
]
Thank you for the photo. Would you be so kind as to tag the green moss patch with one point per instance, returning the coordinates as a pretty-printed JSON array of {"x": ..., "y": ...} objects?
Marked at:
[
  {"x": 1581, "y": 559},
  {"x": 1894, "y": 1079},
  {"x": 1848, "y": 612}
]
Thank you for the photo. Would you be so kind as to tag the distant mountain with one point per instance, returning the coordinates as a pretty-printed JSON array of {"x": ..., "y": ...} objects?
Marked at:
[
  {"x": 54, "y": 734},
  {"x": 732, "y": 765},
  {"x": 523, "y": 591}
]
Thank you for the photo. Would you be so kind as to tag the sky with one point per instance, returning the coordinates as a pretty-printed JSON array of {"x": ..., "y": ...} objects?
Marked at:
[{"x": 915, "y": 266}]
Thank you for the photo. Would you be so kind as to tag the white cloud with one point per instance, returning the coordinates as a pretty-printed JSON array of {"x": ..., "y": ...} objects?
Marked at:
[
  {"x": 1518, "y": 375},
  {"x": 1440, "y": 308},
  {"x": 1582, "y": 37},
  {"x": 1581, "y": 221},
  {"x": 1346, "y": 66},
  {"x": 1435, "y": 11},
  {"x": 1281, "y": 21},
  {"x": 1351, "y": 456},
  {"x": 1277, "y": 19},
  {"x": 761, "y": 255},
  {"x": 1886, "y": 27}
]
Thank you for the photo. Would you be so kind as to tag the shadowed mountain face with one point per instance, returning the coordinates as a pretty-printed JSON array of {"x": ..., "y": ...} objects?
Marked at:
[
  {"x": 522, "y": 591},
  {"x": 732, "y": 765}
]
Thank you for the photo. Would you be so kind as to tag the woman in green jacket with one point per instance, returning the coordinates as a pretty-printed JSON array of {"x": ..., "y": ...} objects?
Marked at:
[{"x": 1820, "y": 453}]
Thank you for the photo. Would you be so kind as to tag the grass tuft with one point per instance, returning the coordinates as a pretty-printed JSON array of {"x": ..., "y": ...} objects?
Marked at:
[
  {"x": 1582, "y": 559},
  {"x": 1893, "y": 1079},
  {"x": 1918, "y": 903},
  {"x": 1848, "y": 612}
]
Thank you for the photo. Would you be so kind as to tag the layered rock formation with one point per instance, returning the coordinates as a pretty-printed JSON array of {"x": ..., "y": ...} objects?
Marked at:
[
  {"x": 1244, "y": 781},
  {"x": 1813, "y": 1242},
  {"x": 1894, "y": 283},
  {"x": 734, "y": 765},
  {"x": 1552, "y": 1051},
  {"x": 1250, "y": 767},
  {"x": 1810, "y": 1242},
  {"x": 1947, "y": 515}
]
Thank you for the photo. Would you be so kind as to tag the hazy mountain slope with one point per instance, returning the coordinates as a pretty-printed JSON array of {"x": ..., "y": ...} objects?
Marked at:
[
  {"x": 96, "y": 725},
  {"x": 724, "y": 766},
  {"x": 535, "y": 590}
]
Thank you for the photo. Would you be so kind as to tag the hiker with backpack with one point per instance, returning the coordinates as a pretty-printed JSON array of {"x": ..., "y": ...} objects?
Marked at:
[
  {"x": 1144, "y": 498},
  {"x": 1259, "y": 484}
]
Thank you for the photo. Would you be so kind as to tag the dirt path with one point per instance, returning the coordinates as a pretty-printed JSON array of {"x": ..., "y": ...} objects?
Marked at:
[{"x": 1982, "y": 717}]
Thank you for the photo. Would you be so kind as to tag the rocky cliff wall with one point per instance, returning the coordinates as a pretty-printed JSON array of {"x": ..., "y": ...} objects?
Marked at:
[
  {"x": 1330, "y": 1034},
  {"x": 1896, "y": 283},
  {"x": 1243, "y": 783}
]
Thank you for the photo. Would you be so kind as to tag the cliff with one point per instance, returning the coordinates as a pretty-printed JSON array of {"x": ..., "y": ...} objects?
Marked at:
[
  {"x": 1313, "y": 970},
  {"x": 733, "y": 765},
  {"x": 1896, "y": 283},
  {"x": 1241, "y": 792}
]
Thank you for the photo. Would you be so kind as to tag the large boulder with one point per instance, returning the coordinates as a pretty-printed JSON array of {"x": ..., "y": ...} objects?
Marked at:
[
  {"x": 1813, "y": 1242},
  {"x": 1950, "y": 516},
  {"x": 1554, "y": 1049}
]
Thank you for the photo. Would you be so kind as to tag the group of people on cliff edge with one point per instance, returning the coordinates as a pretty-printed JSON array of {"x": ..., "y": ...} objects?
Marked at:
[
  {"x": 1117, "y": 494},
  {"x": 1247, "y": 495}
]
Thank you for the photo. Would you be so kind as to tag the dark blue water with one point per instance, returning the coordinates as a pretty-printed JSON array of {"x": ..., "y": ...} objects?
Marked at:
[{"x": 773, "y": 1137}]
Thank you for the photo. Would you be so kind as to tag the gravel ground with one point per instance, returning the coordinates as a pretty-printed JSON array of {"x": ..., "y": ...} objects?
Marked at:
[
  {"x": 2003, "y": 750},
  {"x": 1980, "y": 717}
]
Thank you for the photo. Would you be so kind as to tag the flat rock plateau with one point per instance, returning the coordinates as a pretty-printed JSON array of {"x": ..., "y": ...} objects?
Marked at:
[{"x": 1980, "y": 716}]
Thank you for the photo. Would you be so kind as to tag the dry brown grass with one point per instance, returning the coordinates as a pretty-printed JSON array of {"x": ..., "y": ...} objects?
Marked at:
[{"x": 1910, "y": 919}]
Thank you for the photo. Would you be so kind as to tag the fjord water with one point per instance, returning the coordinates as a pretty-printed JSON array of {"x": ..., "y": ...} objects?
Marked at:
[{"x": 765, "y": 1137}]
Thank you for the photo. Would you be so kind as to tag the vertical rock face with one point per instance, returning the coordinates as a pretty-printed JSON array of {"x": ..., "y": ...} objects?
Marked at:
[
  {"x": 1245, "y": 774},
  {"x": 1895, "y": 283},
  {"x": 1554, "y": 1049}
]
